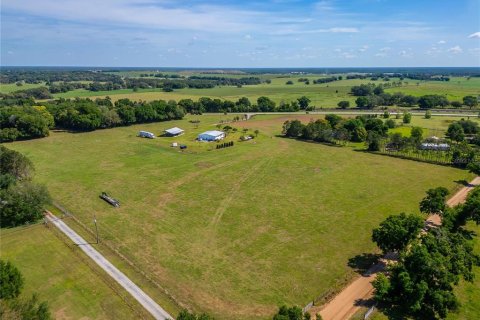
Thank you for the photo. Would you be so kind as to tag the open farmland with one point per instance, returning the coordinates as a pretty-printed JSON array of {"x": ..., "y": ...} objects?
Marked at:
[
  {"x": 325, "y": 95},
  {"x": 237, "y": 231},
  {"x": 60, "y": 276}
]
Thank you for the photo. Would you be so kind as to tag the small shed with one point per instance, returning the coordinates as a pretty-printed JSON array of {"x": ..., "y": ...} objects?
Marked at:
[
  {"x": 213, "y": 135},
  {"x": 173, "y": 132}
]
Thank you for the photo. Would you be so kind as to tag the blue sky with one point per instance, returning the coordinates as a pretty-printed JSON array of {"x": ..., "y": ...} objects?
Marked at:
[{"x": 271, "y": 33}]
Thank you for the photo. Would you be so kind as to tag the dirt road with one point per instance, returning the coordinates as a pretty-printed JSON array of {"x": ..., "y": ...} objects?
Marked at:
[
  {"x": 350, "y": 299},
  {"x": 148, "y": 303}
]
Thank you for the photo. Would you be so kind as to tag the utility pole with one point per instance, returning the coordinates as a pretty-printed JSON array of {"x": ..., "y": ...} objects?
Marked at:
[{"x": 96, "y": 228}]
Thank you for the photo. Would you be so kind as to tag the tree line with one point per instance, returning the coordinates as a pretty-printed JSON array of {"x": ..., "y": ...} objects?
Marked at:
[
  {"x": 371, "y": 96},
  {"x": 338, "y": 130},
  {"x": 30, "y": 121},
  {"x": 431, "y": 261},
  {"x": 21, "y": 200}
]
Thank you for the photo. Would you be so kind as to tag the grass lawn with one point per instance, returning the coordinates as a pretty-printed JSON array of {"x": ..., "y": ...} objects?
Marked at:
[
  {"x": 60, "y": 276},
  {"x": 237, "y": 231}
]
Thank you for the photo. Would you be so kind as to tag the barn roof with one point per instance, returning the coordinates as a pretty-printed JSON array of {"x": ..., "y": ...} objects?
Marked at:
[
  {"x": 174, "y": 130},
  {"x": 214, "y": 133}
]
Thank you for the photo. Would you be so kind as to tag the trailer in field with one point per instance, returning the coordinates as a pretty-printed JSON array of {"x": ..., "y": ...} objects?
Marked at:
[
  {"x": 146, "y": 134},
  {"x": 110, "y": 200}
]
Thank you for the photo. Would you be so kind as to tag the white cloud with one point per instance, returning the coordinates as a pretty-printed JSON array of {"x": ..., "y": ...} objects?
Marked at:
[
  {"x": 455, "y": 50},
  {"x": 363, "y": 48},
  {"x": 348, "y": 55},
  {"x": 248, "y": 37},
  {"x": 475, "y": 35},
  {"x": 405, "y": 53},
  {"x": 441, "y": 42},
  {"x": 380, "y": 54},
  {"x": 385, "y": 49}
]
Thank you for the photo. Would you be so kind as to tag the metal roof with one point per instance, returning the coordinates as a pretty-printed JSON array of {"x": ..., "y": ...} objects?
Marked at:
[
  {"x": 214, "y": 133},
  {"x": 174, "y": 130}
]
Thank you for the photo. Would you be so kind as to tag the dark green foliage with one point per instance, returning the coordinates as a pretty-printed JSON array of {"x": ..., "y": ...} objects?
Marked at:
[
  {"x": 435, "y": 201},
  {"x": 470, "y": 101},
  {"x": 469, "y": 127},
  {"x": 15, "y": 164},
  {"x": 303, "y": 102},
  {"x": 407, "y": 117},
  {"x": 455, "y": 132},
  {"x": 29, "y": 309},
  {"x": 292, "y": 313},
  {"x": 421, "y": 283},
  {"x": 344, "y": 104},
  {"x": 333, "y": 119},
  {"x": 432, "y": 101},
  {"x": 396, "y": 232},
  {"x": 390, "y": 123},
  {"x": 185, "y": 315},
  {"x": 225, "y": 145},
  {"x": 373, "y": 141},
  {"x": 416, "y": 135},
  {"x": 24, "y": 122},
  {"x": 11, "y": 305},
  {"x": 265, "y": 104},
  {"x": 21, "y": 201},
  {"x": 11, "y": 280},
  {"x": 293, "y": 129}
]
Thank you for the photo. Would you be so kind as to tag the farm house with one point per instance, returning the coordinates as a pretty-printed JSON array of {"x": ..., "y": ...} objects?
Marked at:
[
  {"x": 146, "y": 134},
  {"x": 213, "y": 135},
  {"x": 173, "y": 132}
]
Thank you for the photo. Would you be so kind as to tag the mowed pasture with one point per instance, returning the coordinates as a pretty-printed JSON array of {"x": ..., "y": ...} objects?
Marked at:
[
  {"x": 322, "y": 95},
  {"x": 60, "y": 276},
  {"x": 233, "y": 232}
]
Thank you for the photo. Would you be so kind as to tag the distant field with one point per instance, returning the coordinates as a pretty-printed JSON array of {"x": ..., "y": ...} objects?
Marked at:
[
  {"x": 11, "y": 87},
  {"x": 322, "y": 95},
  {"x": 238, "y": 231},
  {"x": 60, "y": 276}
]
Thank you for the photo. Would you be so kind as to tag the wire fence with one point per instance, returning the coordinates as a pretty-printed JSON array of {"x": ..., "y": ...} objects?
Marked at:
[
  {"x": 126, "y": 298},
  {"x": 116, "y": 251}
]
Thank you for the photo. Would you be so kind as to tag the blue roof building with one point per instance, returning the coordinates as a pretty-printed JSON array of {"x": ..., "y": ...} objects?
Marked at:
[{"x": 213, "y": 135}]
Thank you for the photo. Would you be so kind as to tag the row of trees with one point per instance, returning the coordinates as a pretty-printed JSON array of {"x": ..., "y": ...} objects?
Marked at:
[
  {"x": 25, "y": 122},
  {"x": 371, "y": 95},
  {"x": 12, "y": 306},
  {"x": 21, "y": 200},
  {"x": 335, "y": 129},
  {"x": 431, "y": 262}
]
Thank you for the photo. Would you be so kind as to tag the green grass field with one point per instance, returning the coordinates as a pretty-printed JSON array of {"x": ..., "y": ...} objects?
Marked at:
[
  {"x": 322, "y": 95},
  {"x": 233, "y": 232},
  {"x": 60, "y": 276}
]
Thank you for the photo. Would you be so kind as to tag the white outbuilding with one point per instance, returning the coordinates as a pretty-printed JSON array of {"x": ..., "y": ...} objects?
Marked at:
[
  {"x": 173, "y": 132},
  {"x": 213, "y": 135}
]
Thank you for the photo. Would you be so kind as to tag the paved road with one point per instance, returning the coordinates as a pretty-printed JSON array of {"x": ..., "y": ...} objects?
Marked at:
[
  {"x": 349, "y": 300},
  {"x": 463, "y": 113},
  {"x": 151, "y": 306}
]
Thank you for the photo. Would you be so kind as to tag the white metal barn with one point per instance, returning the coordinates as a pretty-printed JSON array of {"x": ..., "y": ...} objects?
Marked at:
[
  {"x": 146, "y": 134},
  {"x": 173, "y": 132},
  {"x": 213, "y": 135}
]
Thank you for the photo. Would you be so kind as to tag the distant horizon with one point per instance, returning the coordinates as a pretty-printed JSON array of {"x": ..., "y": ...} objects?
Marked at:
[{"x": 236, "y": 68}]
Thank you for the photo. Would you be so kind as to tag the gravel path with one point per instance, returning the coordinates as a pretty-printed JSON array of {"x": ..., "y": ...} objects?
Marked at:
[{"x": 148, "y": 303}]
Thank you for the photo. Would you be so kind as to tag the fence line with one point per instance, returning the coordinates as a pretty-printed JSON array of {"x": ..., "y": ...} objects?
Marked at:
[
  {"x": 106, "y": 279},
  {"x": 123, "y": 257}
]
